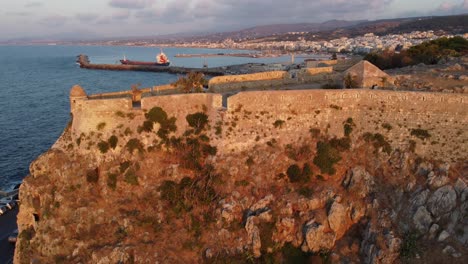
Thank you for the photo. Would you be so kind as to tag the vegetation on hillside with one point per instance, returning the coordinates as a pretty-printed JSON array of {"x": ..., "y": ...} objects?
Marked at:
[
  {"x": 192, "y": 83},
  {"x": 430, "y": 52}
]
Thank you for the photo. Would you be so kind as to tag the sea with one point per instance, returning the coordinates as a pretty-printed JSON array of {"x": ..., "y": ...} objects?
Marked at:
[{"x": 35, "y": 82}]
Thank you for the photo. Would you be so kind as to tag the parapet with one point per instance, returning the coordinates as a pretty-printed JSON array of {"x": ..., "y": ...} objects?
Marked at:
[{"x": 77, "y": 91}]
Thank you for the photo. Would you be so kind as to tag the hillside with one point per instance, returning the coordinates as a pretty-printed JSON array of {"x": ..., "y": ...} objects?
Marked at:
[{"x": 276, "y": 177}]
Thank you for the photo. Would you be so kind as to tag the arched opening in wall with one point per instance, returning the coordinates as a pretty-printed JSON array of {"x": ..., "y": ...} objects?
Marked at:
[{"x": 36, "y": 218}]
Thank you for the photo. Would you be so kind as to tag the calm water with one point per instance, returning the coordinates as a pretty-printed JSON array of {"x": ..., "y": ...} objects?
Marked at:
[{"x": 34, "y": 86}]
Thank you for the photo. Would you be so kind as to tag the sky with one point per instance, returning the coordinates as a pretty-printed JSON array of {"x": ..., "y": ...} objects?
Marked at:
[{"x": 114, "y": 18}]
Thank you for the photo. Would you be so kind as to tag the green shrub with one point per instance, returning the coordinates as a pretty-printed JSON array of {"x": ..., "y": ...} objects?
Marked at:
[
  {"x": 131, "y": 177},
  {"x": 147, "y": 126},
  {"x": 314, "y": 132},
  {"x": 378, "y": 141},
  {"x": 305, "y": 191},
  {"x": 336, "y": 107},
  {"x": 278, "y": 123},
  {"x": 113, "y": 141},
  {"x": 341, "y": 144},
  {"x": 387, "y": 126},
  {"x": 103, "y": 146},
  {"x": 409, "y": 247},
  {"x": 420, "y": 133},
  {"x": 101, "y": 126},
  {"x": 327, "y": 157},
  {"x": 294, "y": 173},
  {"x": 112, "y": 180},
  {"x": 92, "y": 176},
  {"x": 134, "y": 144},
  {"x": 348, "y": 126},
  {"x": 249, "y": 162},
  {"x": 198, "y": 121}
]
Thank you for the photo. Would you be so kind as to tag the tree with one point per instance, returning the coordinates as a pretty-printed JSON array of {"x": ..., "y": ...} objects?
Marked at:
[{"x": 192, "y": 83}]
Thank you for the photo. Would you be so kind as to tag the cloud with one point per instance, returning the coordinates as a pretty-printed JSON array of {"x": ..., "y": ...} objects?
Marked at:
[
  {"x": 86, "y": 17},
  {"x": 131, "y": 4},
  {"x": 450, "y": 8},
  {"x": 240, "y": 13},
  {"x": 121, "y": 14},
  {"x": 22, "y": 14},
  {"x": 33, "y": 4},
  {"x": 54, "y": 20}
]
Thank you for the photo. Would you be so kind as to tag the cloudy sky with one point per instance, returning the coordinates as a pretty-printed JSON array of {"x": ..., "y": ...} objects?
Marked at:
[{"x": 110, "y": 18}]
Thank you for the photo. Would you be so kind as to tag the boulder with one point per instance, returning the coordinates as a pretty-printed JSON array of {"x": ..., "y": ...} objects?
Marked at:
[
  {"x": 442, "y": 201},
  {"x": 436, "y": 181},
  {"x": 358, "y": 181},
  {"x": 443, "y": 236},
  {"x": 422, "y": 219},
  {"x": 338, "y": 218},
  {"x": 317, "y": 237},
  {"x": 419, "y": 199},
  {"x": 253, "y": 234}
]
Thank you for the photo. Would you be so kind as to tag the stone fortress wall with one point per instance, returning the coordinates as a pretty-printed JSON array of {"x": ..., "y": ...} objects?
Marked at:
[{"x": 250, "y": 116}]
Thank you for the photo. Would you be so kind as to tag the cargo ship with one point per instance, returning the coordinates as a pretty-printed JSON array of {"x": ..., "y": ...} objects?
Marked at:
[{"x": 161, "y": 60}]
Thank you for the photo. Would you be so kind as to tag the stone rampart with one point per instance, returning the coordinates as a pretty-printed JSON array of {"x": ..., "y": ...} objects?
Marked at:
[
  {"x": 89, "y": 113},
  {"x": 314, "y": 71},
  {"x": 286, "y": 117},
  {"x": 444, "y": 116},
  {"x": 223, "y": 84},
  {"x": 181, "y": 105},
  {"x": 318, "y": 63}
]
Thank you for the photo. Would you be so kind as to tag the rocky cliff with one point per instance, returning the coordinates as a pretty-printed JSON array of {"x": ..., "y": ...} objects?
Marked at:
[{"x": 151, "y": 187}]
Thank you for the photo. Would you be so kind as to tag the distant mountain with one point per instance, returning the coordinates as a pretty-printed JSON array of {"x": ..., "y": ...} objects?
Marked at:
[
  {"x": 275, "y": 29},
  {"x": 449, "y": 24}
]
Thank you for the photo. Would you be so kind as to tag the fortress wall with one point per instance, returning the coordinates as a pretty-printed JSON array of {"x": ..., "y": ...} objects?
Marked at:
[
  {"x": 250, "y": 117},
  {"x": 181, "y": 105},
  {"x": 88, "y": 113},
  {"x": 231, "y": 82},
  {"x": 316, "y": 63},
  {"x": 444, "y": 116},
  {"x": 314, "y": 71}
]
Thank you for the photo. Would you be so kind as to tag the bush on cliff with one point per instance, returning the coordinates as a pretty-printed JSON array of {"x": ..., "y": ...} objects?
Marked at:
[
  {"x": 327, "y": 157},
  {"x": 158, "y": 115},
  {"x": 103, "y": 146},
  {"x": 198, "y": 121},
  {"x": 192, "y": 83},
  {"x": 113, "y": 140},
  {"x": 134, "y": 144},
  {"x": 295, "y": 174}
]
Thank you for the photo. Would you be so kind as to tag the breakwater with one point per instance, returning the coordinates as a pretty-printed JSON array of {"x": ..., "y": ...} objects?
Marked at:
[{"x": 84, "y": 62}]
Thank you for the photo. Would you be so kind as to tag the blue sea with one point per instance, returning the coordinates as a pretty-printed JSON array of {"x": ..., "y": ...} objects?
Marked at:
[{"x": 35, "y": 82}]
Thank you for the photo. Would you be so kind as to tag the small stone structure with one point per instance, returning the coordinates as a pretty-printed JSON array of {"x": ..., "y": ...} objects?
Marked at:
[{"x": 366, "y": 75}]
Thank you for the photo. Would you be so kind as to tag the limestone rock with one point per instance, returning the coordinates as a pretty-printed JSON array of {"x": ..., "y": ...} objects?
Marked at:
[
  {"x": 317, "y": 237},
  {"x": 286, "y": 229},
  {"x": 436, "y": 181},
  {"x": 419, "y": 199},
  {"x": 359, "y": 181},
  {"x": 422, "y": 219},
  {"x": 461, "y": 189},
  {"x": 253, "y": 234},
  {"x": 433, "y": 230},
  {"x": 443, "y": 200},
  {"x": 338, "y": 218},
  {"x": 449, "y": 250},
  {"x": 263, "y": 203},
  {"x": 443, "y": 236},
  {"x": 424, "y": 168}
]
